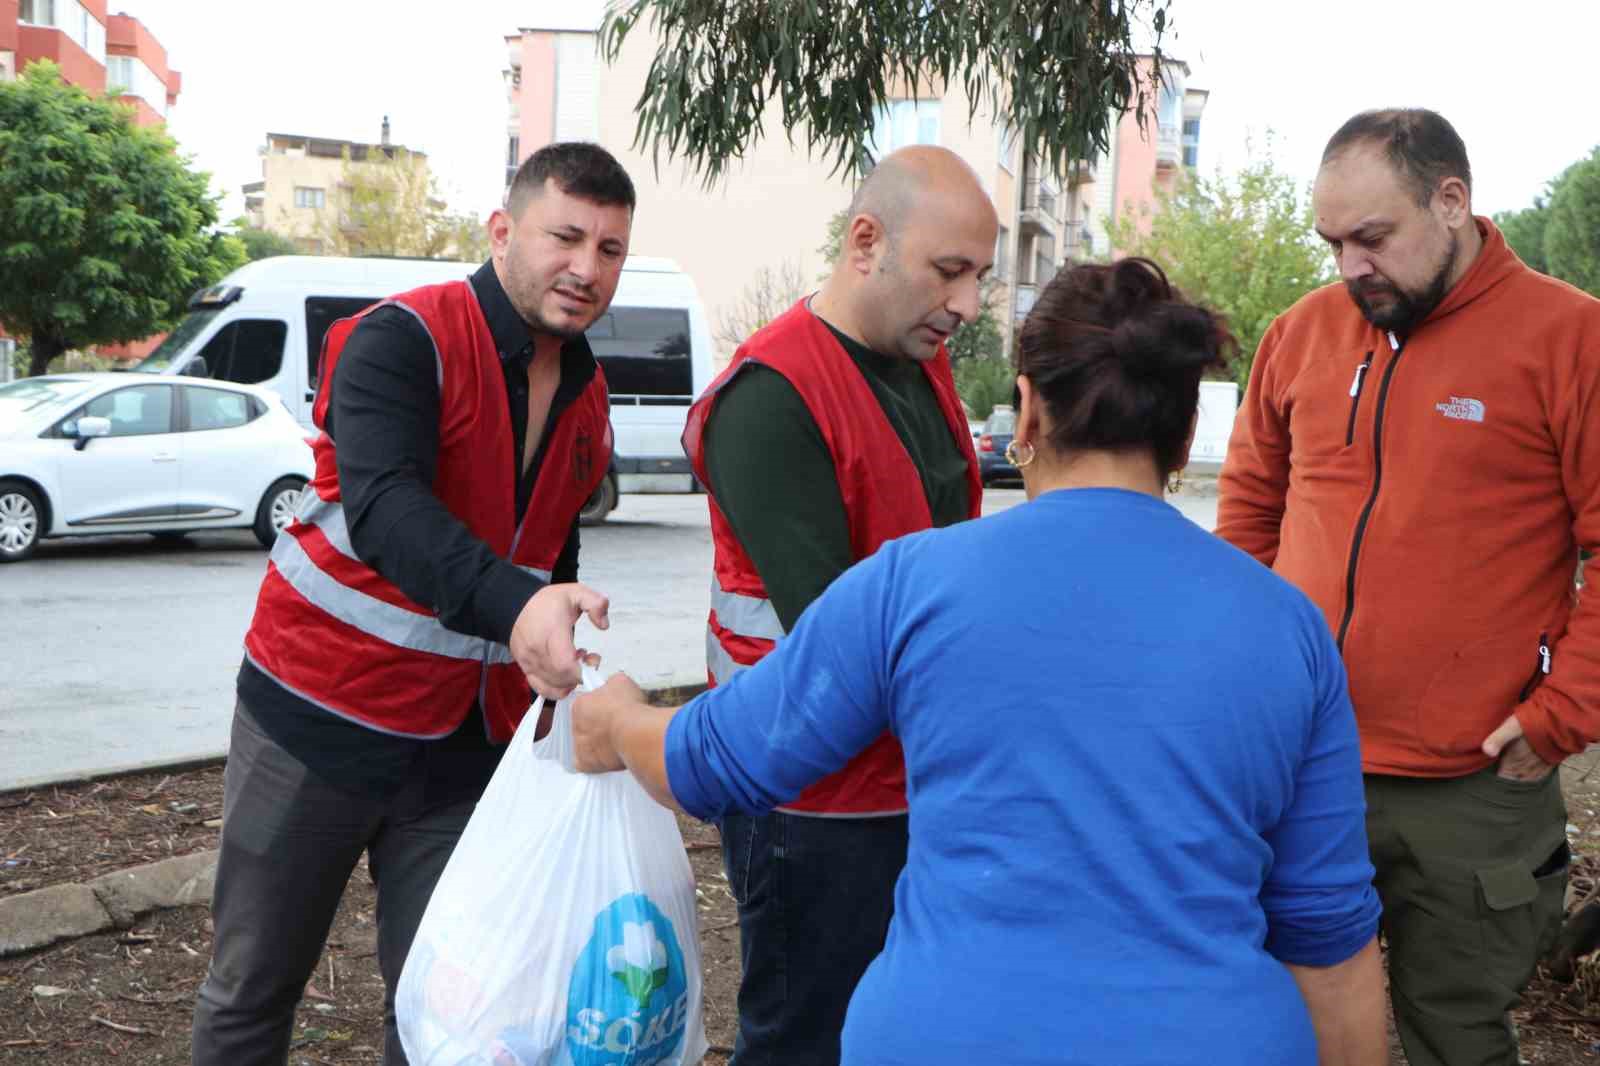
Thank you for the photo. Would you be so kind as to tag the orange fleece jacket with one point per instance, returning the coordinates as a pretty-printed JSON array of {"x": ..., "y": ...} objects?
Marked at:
[{"x": 1436, "y": 515}]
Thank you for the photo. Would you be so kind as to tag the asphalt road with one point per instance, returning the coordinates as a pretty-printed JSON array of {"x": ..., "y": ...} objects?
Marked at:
[{"x": 120, "y": 652}]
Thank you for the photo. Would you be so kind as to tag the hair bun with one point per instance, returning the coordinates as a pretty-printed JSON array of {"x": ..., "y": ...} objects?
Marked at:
[{"x": 1166, "y": 338}]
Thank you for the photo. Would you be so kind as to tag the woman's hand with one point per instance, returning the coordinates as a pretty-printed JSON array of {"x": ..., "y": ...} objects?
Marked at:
[{"x": 596, "y": 717}]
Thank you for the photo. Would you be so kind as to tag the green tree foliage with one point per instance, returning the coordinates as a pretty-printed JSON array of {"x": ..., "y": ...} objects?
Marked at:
[
  {"x": 833, "y": 242},
  {"x": 105, "y": 231},
  {"x": 262, "y": 244},
  {"x": 984, "y": 382},
  {"x": 1061, "y": 67},
  {"x": 1572, "y": 234},
  {"x": 391, "y": 205},
  {"x": 1524, "y": 232},
  {"x": 981, "y": 338},
  {"x": 1244, "y": 245}
]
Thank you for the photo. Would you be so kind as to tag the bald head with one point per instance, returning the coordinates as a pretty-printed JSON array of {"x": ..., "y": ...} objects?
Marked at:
[
  {"x": 920, "y": 180},
  {"x": 920, "y": 241}
]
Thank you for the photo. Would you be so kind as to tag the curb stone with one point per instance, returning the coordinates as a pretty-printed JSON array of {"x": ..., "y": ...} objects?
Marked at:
[
  {"x": 175, "y": 882},
  {"x": 45, "y": 916},
  {"x": 38, "y": 919}
]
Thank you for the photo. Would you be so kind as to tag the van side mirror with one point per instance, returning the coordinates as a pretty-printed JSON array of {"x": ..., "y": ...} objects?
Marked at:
[
  {"x": 196, "y": 368},
  {"x": 89, "y": 427}
]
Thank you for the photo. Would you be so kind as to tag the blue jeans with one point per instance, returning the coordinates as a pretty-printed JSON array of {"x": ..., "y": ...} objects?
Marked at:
[{"x": 815, "y": 897}]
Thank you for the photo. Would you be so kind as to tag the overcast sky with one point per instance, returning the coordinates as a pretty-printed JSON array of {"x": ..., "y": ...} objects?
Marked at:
[{"x": 334, "y": 68}]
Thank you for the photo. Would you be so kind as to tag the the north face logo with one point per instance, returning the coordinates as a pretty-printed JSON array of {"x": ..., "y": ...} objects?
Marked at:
[{"x": 1462, "y": 408}]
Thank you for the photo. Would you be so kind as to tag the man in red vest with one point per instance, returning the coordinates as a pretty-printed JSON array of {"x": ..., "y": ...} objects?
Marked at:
[
  {"x": 428, "y": 581},
  {"x": 837, "y": 427}
]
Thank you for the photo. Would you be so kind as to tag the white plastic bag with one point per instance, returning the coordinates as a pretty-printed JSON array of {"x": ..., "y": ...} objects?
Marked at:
[{"x": 563, "y": 930}]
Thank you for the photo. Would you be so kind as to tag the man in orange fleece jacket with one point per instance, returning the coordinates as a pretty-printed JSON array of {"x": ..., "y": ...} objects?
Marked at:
[{"x": 1419, "y": 451}]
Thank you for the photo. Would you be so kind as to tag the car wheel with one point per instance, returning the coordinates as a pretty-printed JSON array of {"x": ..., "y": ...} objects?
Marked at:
[
  {"x": 21, "y": 521},
  {"x": 602, "y": 503},
  {"x": 277, "y": 509}
]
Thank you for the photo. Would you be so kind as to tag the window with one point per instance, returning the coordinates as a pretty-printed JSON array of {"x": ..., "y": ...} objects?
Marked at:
[
  {"x": 1191, "y": 142},
  {"x": 306, "y": 196},
  {"x": 205, "y": 409},
  {"x": 322, "y": 312},
  {"x": 247, "y": 351},
  {"x": 1002, "y": 246},
  {"x": 93, "y": 36},
  {"x": 512, "y": 146},
  {"x": 1006, "y": 146},
  {"x": 38, "y": 12},
  {"x": 72, "y": 19},
  {"x": 125, "y": 74},
  {"x": 644, "y": 352},
  {"x": 904, "y": 122},
  {"x": 136, "y": 412}
]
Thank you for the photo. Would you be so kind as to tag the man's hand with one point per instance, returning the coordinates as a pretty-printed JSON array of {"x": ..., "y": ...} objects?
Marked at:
[
  {"x": 594, "y": 717},
  {"x": 541, "y": 638},
  {"x": 1518, "y": 760}
]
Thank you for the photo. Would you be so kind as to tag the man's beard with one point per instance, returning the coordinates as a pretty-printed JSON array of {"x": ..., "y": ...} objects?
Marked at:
[
  {"x": 527, "y": 299},
  {"x": 539, "y": 324},
  {"x": 1407, "y": 310}
]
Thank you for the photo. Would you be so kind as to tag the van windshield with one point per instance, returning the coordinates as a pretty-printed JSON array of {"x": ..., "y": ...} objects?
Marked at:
[{"x": 175, "y": 343}]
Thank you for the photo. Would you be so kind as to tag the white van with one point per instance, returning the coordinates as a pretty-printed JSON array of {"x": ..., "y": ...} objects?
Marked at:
[{"x": 264, "y": 323}]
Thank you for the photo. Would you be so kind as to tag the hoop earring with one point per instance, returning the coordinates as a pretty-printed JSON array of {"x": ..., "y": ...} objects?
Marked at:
[
  {"x": 1175, "y": 481},
  {"x": 1014, "y": 453}
]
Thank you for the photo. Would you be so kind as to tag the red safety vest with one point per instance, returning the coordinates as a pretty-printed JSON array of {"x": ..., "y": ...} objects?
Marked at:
[
  {"x": 883, "y": 499},
  {"x": 337, "y": 633}
]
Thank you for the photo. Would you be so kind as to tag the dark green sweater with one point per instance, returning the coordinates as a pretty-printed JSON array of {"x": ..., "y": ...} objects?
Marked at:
[{"x": 773, "y": 476}]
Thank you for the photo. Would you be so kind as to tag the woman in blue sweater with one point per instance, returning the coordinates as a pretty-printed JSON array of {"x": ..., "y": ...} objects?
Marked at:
[{"x": 1137, "y": 826}]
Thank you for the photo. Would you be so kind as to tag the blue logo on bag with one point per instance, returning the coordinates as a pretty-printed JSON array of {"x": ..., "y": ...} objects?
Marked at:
[{"x": 628, "y": 1002}]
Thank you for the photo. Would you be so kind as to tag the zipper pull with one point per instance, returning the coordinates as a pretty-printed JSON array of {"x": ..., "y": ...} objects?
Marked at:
[
  {"x": 1355, "y": 382},
  {"x": 1394, "y": 342},
  {"x": 1544, "y": 653}
]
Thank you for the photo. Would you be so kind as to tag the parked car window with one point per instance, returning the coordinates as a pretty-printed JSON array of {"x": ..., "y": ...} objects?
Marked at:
[
  {"x": 322, "y": 312},
  {"x": 134, "y": 412},
  {"x": 644, "y": 352},
  {"x": 1003, "y": 420},
  {"x": 216, "y": 409},
  {"x": 248, "y": 350}
]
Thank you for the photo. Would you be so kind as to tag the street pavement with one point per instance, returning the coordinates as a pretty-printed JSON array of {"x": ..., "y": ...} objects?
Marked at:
[{"x": 120, "y": 652}]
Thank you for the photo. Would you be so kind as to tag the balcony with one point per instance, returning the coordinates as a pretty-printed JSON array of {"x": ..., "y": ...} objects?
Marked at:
[
  {"x": 1038, "y": 209},
  {"x": 1083, "y": 172},
  {"x": 1169, "y": 146},
  {"x": 1077, "y": 242}
]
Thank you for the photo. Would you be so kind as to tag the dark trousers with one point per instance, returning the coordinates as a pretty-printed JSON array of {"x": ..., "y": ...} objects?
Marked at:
[
  {"x": 815, "y": 897},
  {"x": 1472, "y": 872},
  {"x": 289, "y": 844}
]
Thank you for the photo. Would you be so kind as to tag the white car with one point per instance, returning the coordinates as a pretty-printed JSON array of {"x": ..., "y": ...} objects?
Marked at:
[{"x": 84, "y": 454}]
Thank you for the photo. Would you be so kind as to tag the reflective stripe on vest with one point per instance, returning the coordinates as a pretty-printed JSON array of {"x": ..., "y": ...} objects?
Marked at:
[
  {"x": 329, "y": 517},
  {"x": 748, "y": 616},
  {"x": 389, "y": 623},
  {"x": 719, "y": 664},
  {"x": 743, "y": 616}
]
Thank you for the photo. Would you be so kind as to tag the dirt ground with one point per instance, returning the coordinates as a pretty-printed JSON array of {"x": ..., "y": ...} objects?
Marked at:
[{"x": 126, "y": 997}]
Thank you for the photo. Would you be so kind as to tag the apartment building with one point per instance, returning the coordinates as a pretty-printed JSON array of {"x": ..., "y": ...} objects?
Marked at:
[
  {"x": 98, "y": 52},
  {"x": 302, "y": 179},
  {"x": 1123, "y": 181},
  {"x": 773, "y": 207}
]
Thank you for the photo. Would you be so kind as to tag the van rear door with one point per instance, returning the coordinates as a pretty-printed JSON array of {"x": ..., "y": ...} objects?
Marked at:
[{"x": 646, "y": 355}]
